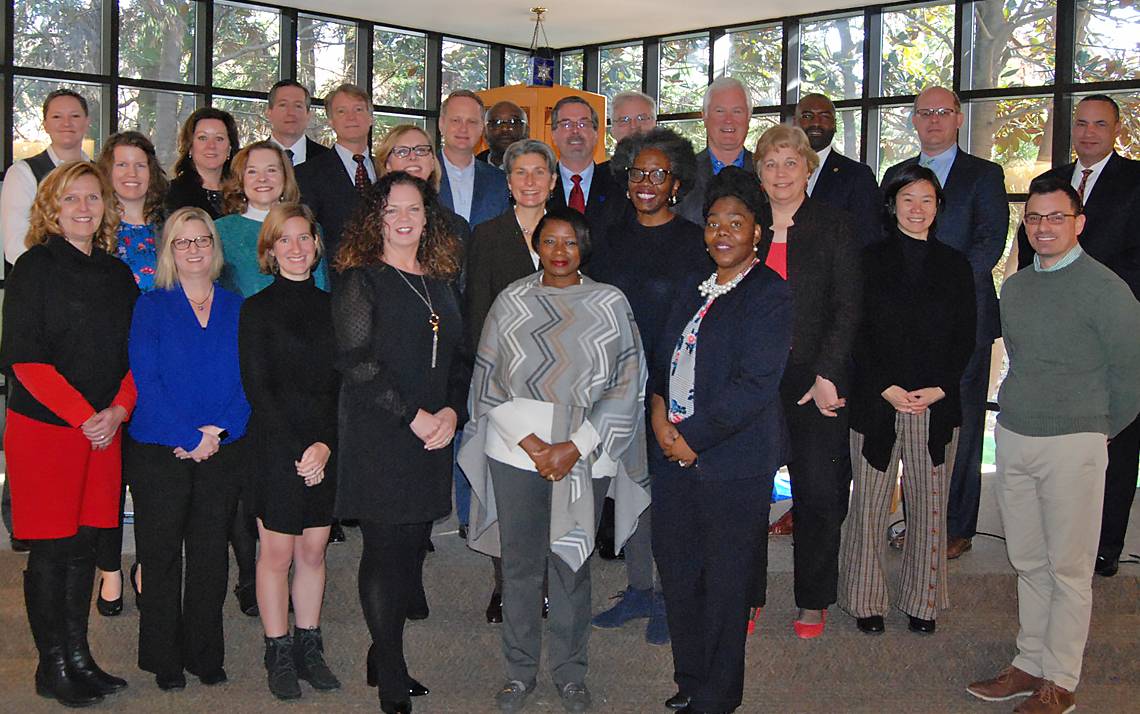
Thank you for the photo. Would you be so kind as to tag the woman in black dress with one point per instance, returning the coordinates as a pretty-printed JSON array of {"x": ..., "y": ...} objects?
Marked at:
[
  {"x": 285, "y": 343},
  {"x": 207, "y": 142},
  {"x": 404, "y": 384}
]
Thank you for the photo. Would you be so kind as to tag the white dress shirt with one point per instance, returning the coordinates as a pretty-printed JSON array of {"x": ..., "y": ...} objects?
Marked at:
[
  {"x": 462, "y": 183},
  {"x": 16, "y": 198},
  {"x": 815, "y": 174},
  {"x": 300, "y": 150},
  {"x": 1097, "y": 170},
  {"x": 350, "y": 165}
]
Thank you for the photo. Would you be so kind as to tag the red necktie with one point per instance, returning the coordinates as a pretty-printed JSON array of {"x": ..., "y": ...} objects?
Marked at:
[
  {"x": 361, "y": 179},
  {"x": 1084, "y": 181},
  {"x": 577, "y": 198}
]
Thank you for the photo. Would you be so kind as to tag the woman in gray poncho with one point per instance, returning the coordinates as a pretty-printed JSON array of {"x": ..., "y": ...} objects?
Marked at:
[{"x": 556, "y": 421}]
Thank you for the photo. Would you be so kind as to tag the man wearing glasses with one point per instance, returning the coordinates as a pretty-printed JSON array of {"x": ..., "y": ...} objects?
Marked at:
[
  {"x": 631, "y": 113},
  {"x": 1070, "y": 327},
  {"x": 1109, "y": 187},
  {"x": 474, "y": 189},
  {"x": 974, "y": 220},
  {"x": 506, "y": 124},
  {"x": 582, "y": 184}
]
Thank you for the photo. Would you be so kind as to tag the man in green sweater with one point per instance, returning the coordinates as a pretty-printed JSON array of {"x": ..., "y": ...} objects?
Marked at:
[{"x": 1072, "y": 333}]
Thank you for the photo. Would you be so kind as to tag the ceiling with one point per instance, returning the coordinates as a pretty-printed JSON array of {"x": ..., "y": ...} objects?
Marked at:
[{"x": 569, "y": 23}]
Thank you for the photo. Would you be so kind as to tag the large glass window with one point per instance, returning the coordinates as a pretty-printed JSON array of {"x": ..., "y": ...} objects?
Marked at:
[
  {"x": 897, "y": 139},
  {"x": 247, "y": 46},
  {"x": 831, "y": 57},
  {"x": 620, "y": 69},
  {"x": 918, "y": 49},
  {"x": 1012, "y": 133},
  {"x": 156, "y": 40},
  {"x": 1012, "y": 43},
  {"x": 398, "y": 60},
  {"x": 249, "y": 115},
  {"x": 684, "y": 73},
  {"x": 157, "y": 114},
  {"x": 754, "y": 57},
  {"x": 1106, "y": 46},
  {"x": 28, "y": 135},
  {"x": 572, "y": 68},
  {"x": 464, "y": 67},
  {"x": 516, "y": 67},
  {"x": 65, "y": 36},
  {"x": 326, "y": 54},
  {"x": 848, "y": 139}
]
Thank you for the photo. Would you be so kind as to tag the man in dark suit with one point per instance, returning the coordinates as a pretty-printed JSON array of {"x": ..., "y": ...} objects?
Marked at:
[
  {"x": 331, "y": 182},
  {"x": 288, "y": 115},
  {"x": 838, "y": 181},
  {"x": 974, "y": 220},
  {"x": 582, "y": 184},
  {"x": 1109, "y": 186},
  {"x": 726, "y": 111},
  {"x": 473, "y": 189}
]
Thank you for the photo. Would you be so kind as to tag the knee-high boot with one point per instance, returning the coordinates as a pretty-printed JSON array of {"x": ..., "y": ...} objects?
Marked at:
[
  {"x": 44, "y": 600},
  {"x": 77, "y": 610}
]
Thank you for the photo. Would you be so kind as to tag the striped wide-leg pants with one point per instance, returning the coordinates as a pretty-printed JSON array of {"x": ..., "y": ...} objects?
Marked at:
[{"x": 863, "y": 588}]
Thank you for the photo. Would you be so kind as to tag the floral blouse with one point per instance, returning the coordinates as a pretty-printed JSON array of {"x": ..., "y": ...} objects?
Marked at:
[{"x": 138, "y": 249}]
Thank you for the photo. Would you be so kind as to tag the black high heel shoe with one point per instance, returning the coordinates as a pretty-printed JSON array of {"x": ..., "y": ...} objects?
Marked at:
[
  {"x": 135, "y": 585},
  {"x": 415, "y": 689},
  {"x": 110, "y": 608}
]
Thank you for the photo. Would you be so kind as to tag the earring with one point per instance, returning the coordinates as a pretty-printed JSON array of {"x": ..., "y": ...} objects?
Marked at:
[
  {"x": 627, "y": 196},
  {"x": 673, "y": 200}
]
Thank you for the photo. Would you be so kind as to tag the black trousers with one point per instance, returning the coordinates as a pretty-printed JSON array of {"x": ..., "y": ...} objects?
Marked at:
[
  {"x": 109, "y": 541},
  {"x": 966, "y": 480},
  {"x": 390, "y": 563},
  {"x": 705, "y": 539},
  {"x": 183, "y": 505},
  {"x": 1119, "y": 489}
]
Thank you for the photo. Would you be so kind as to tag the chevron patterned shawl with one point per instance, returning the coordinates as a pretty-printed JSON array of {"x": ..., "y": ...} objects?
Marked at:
[{"x": 577, "y": 348}]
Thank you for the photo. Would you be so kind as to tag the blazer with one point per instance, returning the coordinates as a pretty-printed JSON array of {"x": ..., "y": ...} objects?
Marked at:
[
  {"x": 496, "y": 257},
  {"x": 603, "y": 188},
  {"x": 490, "y": 197},
  {"x": 1112, "y": 211},
  {"x": 737, "y": 426},
  {"x": 186, "y": 190},
  {"x": 975, "y": 220},
  {"x": 850, "y": 185},
  {"x": 327, "y": 189},
  {"x": 692, "y": 206},
  {"x": 826, "y": 283}
]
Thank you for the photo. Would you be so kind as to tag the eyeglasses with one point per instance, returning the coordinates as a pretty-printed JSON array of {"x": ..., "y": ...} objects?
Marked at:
[
  {"x": 939, "y": 112},
  {"x": 655, "y": 176},
  {"x": 200, "y": 241},
  {"x": 627, "y": 119},
  {"x": 513, "y": 121},
  {"x": 403, "y": 152},
  {"x": 568, "y": 124},
  {"x": 1054, "y": 219}
]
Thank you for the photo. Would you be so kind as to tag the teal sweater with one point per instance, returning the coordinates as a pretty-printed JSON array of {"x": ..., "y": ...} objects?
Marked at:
[
  {"x": 241, "y": 273},
  {"x": 1073, "y": 340}
]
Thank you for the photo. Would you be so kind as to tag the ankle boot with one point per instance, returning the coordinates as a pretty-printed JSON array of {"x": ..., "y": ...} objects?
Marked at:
[
  {"x": 77, "y": 611},
  {"x": 43, "y": 598},
  {"x": 372, "y": 679},
  {"x": 280, "y": 667},
  {"x": 309, "y": 656}
]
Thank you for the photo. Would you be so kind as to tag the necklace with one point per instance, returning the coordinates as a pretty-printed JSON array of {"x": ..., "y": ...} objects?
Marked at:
[
  {"x": 433, "y": 318},
  {"x": 712, "y": 290},
  {"x": 201, "y": 306}
]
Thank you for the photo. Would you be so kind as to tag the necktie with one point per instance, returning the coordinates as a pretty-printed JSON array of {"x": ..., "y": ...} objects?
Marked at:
[
  {"x": 361, "y": 179},
  {"x": 1084, "y": 182},
  {"x": 289, "y": 153},
  {"x": 577, "y": 198}
]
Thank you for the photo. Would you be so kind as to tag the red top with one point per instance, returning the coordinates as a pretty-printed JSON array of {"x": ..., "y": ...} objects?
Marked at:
[{"x": 778, "y": 259}]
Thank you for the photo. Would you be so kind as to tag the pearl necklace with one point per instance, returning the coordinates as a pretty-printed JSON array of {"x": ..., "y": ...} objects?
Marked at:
[{"x": 712, "y": 290}]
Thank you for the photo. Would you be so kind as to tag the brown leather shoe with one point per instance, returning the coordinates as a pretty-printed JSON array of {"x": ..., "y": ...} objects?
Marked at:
[
  {"x": 1009, "y": 683},
  {"x": 783, "y": 525},
  {"x": 957, "y": 546},
  {"x": 1048, "y": 699}
]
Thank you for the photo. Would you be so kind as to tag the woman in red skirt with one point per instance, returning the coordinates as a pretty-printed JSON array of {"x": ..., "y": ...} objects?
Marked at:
[{"x": 67, "y": 314}]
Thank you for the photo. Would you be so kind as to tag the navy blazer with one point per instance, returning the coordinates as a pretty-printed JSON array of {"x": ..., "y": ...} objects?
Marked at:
[
  {"x": 490, "y": 197},
  {"x": 1112, "y": 212},
  {"x": 692, "y": 206},
  {"x": 850, "y": 186},
  {"x": 328, "y": 190},
  {"x": 737, "y": 426},
  {"x": 975, "y": 220}
]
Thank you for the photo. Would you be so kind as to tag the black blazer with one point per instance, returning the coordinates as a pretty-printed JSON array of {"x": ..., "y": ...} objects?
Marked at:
[
  {"x": 737, "y": 427},
  {"x": 916, "y": 332},
  {"x": 186, "y": 190},
  {"x": 850, "y": 186},
  {"x": 823, "y": 270},
  {"x": 1112, "y": 212},
  {"x": 604, "y": 188},
  {"x": 692, "y": 206},
  {"x": 327, "y": 189},
  {"x": 496, "y": 257},
  {"x": 975, "y": 220}
]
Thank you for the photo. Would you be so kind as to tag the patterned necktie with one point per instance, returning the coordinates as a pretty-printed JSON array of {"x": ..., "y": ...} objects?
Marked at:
[
  {"x": 1084, "y": 182},
  {"x": 361, "y": 179},
  {"x": 577, "y": 198},
  {"x": 289, "y": 153}
]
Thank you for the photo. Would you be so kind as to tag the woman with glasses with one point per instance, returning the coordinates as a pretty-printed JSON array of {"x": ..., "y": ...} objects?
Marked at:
[
  {"x": 188, "y": 457},
  {"x": 650, "y": 251}
]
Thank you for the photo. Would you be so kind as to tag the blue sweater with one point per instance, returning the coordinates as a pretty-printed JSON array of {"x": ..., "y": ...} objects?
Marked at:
[{"x": 187, "y": 376}]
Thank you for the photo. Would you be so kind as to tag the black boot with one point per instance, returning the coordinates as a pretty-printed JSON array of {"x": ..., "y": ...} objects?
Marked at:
[
  {"x": 43, "y": 597},
  {"x": 279, "y": 665},
  {"x": 309, "y": 656},
  {"x": 77, "y": 610}
]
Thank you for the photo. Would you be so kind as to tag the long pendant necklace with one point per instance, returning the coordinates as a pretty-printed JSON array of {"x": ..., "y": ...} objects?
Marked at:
[
  {"x": 433, "y": 318},
  {"x": 201, "y": 306}
]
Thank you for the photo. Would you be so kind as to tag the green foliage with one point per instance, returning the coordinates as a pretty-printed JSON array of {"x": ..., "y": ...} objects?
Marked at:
[
  {"x": 326, "y": 54},
  {"x": 620, "y": 69},
  {"x": 831, "y": 57},
  {"x": 398, "y": 60},
  {"x": 918, "y": 49},
  {"x": 247, "y": 47},
  {"x": 156, "y": 40},
  {"x": 516, "y": 68},
  {"x": 572, "y": 69},
  {"x": 754, "y": 58},
  {"x": 63, "y": 35},
  {"x": 684, "y": 73},
  {"x": 464, "y": 67}
]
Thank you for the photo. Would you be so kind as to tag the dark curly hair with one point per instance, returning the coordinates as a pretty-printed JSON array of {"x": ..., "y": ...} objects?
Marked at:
[
  {"x": 739, "y": 184},
  {"x": 678, "y": 149},
  {"x": 362, "y": 242}
]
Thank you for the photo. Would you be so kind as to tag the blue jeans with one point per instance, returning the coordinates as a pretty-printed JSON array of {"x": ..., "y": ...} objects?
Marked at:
[{"x": 462, "y": 487}]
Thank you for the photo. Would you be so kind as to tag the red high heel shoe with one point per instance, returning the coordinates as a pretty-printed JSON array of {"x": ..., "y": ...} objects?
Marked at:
[
  {"x": 809, "y": 631},
  {"x": 753, "y": 618}
]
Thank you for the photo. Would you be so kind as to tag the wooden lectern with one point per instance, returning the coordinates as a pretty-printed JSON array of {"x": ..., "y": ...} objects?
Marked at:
[{"x": 537, "y": 102}]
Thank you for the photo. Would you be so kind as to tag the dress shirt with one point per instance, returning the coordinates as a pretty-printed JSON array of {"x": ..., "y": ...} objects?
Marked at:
[
  {"x": 299, "y": 150},
  {"x": 815, "y": 174},
  {"x": 462, "y": 182},
  {"x": 16, "y": 200},
  {"x": 940, "y": 164},
  {"x": 350, "y": 164},
  {"x": 717, "y": 164},
  {"x": 1073, "y": 254},
  {"x": 1097, "y": 169},
  {"x": 587, "y": 176}
]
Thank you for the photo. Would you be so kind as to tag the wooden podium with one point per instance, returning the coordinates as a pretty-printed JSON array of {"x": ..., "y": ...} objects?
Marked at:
[{"x": 538, "y": 102}]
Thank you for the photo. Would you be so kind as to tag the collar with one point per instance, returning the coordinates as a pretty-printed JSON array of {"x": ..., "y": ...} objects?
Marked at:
[
  {"x": 57, "y": 161},
  {"x": 587, "y": 175},
  {"x": 457, "y": 170},
  {"x": 1096, "y": 168},
  {"x": 938, "y": 159},
  {"x": 346, "y": 154},
  {"x": 1074, "y": 253},
  {"x": 255, "y": 214},
  {"x": 717, "y": 164}
]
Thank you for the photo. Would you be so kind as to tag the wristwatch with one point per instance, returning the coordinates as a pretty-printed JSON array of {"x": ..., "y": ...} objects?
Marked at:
[{"x": 223, "y": 435}]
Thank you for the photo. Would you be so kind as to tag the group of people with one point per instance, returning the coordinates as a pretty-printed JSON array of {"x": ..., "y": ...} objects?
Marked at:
[{"x": 289, "y": 334}]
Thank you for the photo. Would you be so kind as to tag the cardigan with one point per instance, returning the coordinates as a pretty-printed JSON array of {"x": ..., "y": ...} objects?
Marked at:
[
  {"x": 241, "y": 273},
  {"x": 187, "y": 375},
  {"x": 917, "y": 331}
]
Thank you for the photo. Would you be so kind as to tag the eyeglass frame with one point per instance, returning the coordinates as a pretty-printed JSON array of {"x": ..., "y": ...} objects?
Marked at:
[
  {"x": 665, "y": 174},
  {"x": 581, "y": 124},
  {"x": 627, "y": 119},
  {"x": 196, "y": 240},
  {"x": 403, "y": 152},
  {"x": 1055, "y": 218},
  {"x": 940, "y": 112},
  {"x": 512, "y": 121}
]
